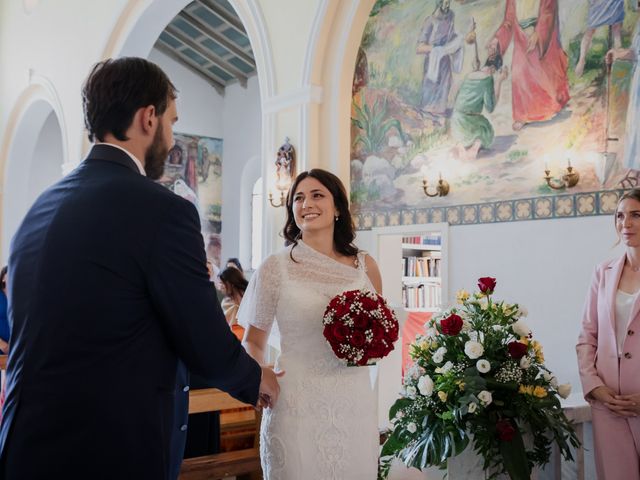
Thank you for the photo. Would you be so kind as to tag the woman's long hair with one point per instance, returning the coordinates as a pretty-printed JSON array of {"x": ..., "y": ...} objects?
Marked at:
[
  {"x": 234, "y": 281},
  {"x": 344, "y": 230}
]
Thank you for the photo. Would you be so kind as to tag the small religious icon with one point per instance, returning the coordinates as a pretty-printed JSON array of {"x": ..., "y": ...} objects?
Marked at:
[{"x": 285, "y": 165}]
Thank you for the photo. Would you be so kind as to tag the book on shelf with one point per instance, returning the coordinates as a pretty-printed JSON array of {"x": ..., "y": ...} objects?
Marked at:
[
  {"x": 421, "y": 296},
  {"x": 428, "y": 239},
  {"x": 426, "y": 266}
]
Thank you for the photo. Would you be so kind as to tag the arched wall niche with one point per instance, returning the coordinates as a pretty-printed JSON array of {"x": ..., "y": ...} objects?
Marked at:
[
  {"x": 140, "y": 25},
  {"x": 34, "y": 150}
]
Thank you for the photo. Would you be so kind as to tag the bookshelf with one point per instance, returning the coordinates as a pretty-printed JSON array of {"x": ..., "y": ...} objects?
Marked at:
[
  {"x": 413, "y": 264},
  {"x": 421, "y": 272}
]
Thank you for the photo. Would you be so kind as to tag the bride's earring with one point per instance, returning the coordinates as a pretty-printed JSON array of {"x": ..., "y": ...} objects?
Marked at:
[{"x": 336, "y": 217}]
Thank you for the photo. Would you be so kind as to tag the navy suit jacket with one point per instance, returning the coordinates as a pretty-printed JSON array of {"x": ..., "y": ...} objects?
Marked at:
[{"x": 108, "y": 292}]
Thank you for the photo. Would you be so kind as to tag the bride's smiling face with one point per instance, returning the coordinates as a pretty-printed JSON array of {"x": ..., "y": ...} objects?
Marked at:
[{"x": 313, "y": 206}]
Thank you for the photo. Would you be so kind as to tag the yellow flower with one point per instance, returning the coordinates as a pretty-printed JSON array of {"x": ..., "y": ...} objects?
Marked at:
[
  {"x": 539, "y": 392},
  {"x": 461, "y": 385},
  {"x": 526, "y": 389},
  {"x": 442, "y": 396},
  {"x": 462, "y": 296},
  {"x": 537, "y": 349}
]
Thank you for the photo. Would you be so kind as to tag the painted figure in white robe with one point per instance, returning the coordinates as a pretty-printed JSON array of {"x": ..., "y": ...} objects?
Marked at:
[{"x": 442, "y": 50}]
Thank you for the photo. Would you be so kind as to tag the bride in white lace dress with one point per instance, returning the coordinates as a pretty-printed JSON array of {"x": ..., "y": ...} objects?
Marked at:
[{"x": 324, "y": 426}]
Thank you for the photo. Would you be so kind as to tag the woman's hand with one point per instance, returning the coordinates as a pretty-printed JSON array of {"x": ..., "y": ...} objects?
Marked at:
[
  {"x": 634, "y": 407},
  {"x": 619, "y": 405}
]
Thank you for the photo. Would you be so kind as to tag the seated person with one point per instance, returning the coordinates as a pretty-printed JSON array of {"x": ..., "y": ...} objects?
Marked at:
[{"x": 233, "y": 285}]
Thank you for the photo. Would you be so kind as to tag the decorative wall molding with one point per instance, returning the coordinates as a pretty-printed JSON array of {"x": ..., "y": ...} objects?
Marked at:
[
  {"x": 303, "y": 96},
  {"x": 583, "y": 204}
]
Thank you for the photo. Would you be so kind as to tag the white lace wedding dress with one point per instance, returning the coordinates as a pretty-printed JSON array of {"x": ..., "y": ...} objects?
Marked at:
[{"x": 324, "y": 426}]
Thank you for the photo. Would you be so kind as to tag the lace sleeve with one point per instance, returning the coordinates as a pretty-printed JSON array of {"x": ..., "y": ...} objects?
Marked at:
[{"x": 258, "y": 306}]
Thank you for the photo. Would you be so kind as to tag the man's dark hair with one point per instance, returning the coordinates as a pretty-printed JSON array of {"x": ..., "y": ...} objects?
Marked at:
[
  {"x": 236, "y": 262},
  {"x": 116, "y": 89},
  {"x": 494, "y": 60},
  {"x": 3, "y": 277}
]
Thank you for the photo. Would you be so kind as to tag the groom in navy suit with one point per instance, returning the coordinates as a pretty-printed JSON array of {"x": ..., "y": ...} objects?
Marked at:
[{"x": 108, "y": 293}]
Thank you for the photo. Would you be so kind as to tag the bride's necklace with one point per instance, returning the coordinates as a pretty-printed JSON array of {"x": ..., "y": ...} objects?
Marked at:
[{"x": 633, "y": 269}]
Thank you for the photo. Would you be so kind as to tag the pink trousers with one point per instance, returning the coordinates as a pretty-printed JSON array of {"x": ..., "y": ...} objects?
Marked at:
[{"x": 616, "y": 444}]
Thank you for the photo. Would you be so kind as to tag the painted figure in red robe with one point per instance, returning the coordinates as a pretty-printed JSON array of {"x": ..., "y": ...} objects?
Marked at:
[{"x": 540, "y": 88}]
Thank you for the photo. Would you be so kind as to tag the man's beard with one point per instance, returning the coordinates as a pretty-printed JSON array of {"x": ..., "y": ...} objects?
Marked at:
[{"x": 156, "y": 155}]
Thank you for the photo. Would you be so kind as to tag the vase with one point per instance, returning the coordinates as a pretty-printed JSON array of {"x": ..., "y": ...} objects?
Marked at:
[{"x": 468, "y": 466}]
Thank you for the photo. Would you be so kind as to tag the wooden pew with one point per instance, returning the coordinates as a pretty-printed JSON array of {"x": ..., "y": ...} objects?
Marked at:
[{"x": 244, "y": 464}]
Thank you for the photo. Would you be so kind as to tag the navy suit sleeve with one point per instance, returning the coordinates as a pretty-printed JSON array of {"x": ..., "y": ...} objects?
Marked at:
[{"x": 189, "y": 309}]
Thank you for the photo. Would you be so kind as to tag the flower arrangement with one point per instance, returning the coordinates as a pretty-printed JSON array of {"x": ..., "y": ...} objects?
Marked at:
[
  {"x": 360, "y": 327},
  {"x": 478, "y": 377}
]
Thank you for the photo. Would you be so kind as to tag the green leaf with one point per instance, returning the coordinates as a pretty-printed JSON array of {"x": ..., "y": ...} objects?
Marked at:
[{"x": 514, "y": 457}]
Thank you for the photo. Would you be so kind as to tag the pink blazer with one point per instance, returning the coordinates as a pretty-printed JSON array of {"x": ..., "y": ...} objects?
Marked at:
[{"x": 597, "y": 351}]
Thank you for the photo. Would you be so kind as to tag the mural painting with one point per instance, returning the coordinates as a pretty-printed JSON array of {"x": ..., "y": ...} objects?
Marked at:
[
  {"x": 488, "y": 94},
  {"x": 193, "y": 170}
]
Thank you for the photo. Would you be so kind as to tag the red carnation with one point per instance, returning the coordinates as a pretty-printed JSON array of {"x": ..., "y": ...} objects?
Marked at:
[
  {"x": 517, "y": 350},
  {"x": 451, "y": 325},
  {"x": 487, "y": 285},
  {"x": 505, "y": 430}
]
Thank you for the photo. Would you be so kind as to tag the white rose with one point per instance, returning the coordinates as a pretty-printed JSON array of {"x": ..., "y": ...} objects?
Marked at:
[
  {"x": 430, "y": 332},
  {"x": 473, "y": 349},
  {"x": 412, "y": 427},
  {"x": 438, "y": 357},
  {"x": 485, "y": 397},
  {"x": 472, "y": 407},
  {"x": 411, "y": 391},
  {"x": 564, "y": 390},
  {"x": 522, "y": 312},
  {"x": 520, "y": 328},
  {"x": 549, "y": 377},
  {"x": 483, "y": 366},
  {"x": 445, "y": 368},
  {"x": 425, "y": 385},
  {"x": 525, "y": 362},
  {"x": 466, "y": 326}
]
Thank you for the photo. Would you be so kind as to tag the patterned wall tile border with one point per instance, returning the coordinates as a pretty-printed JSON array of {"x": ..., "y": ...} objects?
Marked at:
[{"x": 582, "y": 204}]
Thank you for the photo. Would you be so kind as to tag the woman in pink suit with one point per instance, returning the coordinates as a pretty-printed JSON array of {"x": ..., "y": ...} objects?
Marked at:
[{"x": 609, "y": 351}]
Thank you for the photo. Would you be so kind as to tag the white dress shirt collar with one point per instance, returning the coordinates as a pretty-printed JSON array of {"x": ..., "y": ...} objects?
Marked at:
[{"x": 131, "y": 155}]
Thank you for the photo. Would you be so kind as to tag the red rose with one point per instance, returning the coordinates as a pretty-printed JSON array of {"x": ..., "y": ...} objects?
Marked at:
[
  {"x": 368, "y": 303},
  {"x": 487, "y": 285},
  {"x": 357, "y": 338},
  {"x": 451, "y": 325},
  {"x": 376, "y": 350},
  {"x": 517, "y": 350},
  {"x": 339, "y": 331},
  {"x": 505, "y": 430},
  {"x": 361, "y": 321}
]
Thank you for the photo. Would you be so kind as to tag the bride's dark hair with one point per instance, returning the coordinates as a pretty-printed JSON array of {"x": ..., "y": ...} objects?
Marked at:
[{"x": 344, "y": 231}]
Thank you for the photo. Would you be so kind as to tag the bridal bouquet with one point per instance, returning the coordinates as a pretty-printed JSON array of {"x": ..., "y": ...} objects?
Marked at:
[
  {"x": 360, "y": 327},
  {"x": 478, "y": 371}
]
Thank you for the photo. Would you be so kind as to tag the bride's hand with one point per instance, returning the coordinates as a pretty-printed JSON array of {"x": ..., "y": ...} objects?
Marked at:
[{"x": 269, "y": 388}]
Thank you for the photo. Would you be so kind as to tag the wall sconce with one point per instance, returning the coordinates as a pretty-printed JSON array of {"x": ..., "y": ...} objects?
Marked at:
[
  {"x": 441, "y": 189},
  {"x": 568, "y": 180},
  {"x": 285, "y": 172}
]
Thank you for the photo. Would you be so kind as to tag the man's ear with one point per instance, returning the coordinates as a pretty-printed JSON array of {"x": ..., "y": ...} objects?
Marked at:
[{"x": 148, "y": 119}]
